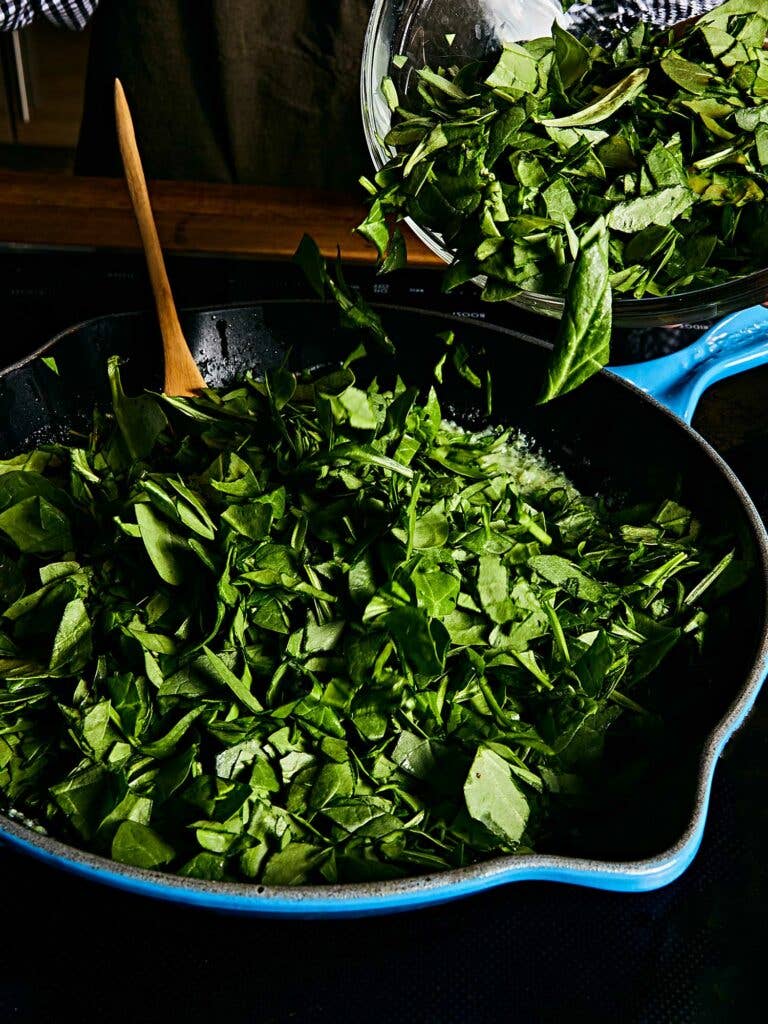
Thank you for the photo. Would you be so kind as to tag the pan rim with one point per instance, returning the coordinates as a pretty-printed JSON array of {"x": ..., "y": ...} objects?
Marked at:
[{"x": 364, "y": 898}]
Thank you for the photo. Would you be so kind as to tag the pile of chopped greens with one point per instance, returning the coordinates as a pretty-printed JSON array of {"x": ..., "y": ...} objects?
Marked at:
[
  {"x": 305, "y": 629},
  {"x": 569, "y": 168}
]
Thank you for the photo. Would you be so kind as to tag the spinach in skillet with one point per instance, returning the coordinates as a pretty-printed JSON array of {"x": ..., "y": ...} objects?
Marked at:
[
  {"x": 304, "y": 629},
  {"x": 572, "y": 169}
]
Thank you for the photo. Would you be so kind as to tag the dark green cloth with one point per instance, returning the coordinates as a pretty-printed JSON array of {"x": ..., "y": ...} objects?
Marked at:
[{"x": 248, "y": 91}]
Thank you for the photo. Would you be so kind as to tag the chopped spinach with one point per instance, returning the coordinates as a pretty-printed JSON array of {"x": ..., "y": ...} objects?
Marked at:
[
  {"x": 303, "y": 629},
  {"x": 660, "y": 137}
]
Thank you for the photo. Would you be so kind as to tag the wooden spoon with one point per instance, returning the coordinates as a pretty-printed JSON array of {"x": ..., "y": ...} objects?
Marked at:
[{"x": 182, "y": 376}]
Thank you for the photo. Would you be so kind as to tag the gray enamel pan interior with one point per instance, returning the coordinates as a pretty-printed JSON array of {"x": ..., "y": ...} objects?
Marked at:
[{"x": 609, "y": 437}]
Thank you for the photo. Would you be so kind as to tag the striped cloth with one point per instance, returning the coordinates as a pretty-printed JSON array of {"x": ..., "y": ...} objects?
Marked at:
[
  {"x": 602, "y": 17},
  {"x": 73, "y": 14}
]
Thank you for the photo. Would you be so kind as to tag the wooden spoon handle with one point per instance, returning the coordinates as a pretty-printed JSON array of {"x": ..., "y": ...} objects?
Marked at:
[{"x": 182, "y": 376}]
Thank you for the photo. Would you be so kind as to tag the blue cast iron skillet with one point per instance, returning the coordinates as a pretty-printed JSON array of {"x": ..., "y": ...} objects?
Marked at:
[{"x": 628, "y": 437}]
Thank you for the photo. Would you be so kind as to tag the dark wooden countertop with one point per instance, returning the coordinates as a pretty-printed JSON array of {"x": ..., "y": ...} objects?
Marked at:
[{"x": 45, "y": 209}]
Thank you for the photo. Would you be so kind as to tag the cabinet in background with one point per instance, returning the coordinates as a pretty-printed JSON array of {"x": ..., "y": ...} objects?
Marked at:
[{"x": 41, "y": 100}]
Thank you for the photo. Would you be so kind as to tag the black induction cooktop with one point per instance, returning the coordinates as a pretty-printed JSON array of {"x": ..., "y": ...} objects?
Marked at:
[
  {"x": 691, "y": 952},
  {"x": 43, "y": 291}
]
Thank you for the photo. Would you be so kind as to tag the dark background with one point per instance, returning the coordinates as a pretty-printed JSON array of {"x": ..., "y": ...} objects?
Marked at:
[{"x": 691, "y": 952}]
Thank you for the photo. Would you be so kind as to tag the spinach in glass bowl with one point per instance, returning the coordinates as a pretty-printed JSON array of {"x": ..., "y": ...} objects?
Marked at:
[{"x": 622, "y": 182}]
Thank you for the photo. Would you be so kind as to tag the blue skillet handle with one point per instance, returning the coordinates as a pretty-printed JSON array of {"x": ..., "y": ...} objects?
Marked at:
[{"x": 738, "y": 342}]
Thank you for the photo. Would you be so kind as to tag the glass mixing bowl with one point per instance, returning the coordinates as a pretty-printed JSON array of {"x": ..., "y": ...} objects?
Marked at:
[{"x": 418, "y": 29}]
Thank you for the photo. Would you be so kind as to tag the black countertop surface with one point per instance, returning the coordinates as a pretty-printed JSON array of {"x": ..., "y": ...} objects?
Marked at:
[{"x": 525, "y": 952}]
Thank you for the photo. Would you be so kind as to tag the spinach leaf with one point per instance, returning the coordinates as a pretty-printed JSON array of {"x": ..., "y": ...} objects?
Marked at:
[
  {"x": 141, "y": 419},
  {"x": 607, "y": 105},
  {"x": 494, "y": 798},
  {"x": 583, "y": 339}
]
